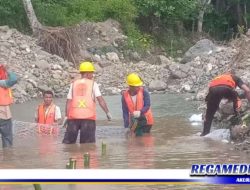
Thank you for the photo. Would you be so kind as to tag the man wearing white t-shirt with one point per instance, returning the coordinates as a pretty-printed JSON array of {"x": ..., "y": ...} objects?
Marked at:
[{"x": 81, "y": 107}]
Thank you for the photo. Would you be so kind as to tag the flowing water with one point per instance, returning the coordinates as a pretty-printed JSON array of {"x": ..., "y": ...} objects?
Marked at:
[{"x": 173, "y": 144}]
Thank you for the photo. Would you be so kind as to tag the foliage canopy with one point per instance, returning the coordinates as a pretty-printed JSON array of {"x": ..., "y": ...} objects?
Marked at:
[{"x": 145, "y": 22}]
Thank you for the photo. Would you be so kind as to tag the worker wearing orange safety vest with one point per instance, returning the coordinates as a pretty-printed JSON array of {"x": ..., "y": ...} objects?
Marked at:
[
  {"x": 48, "y": 112},
  {"x": 7, "y": 79},
  {"x": 223, "y": 86},
  {"x": 81, "y": 106},
  {"x": 46, "y": 116},
  {"x": 136, "y": 105}
]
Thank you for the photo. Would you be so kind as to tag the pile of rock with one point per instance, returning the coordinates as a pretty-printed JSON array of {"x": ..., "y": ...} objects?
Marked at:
[
  {"x": 205, "y": 60},
  {"x": 37, "y": 70}
]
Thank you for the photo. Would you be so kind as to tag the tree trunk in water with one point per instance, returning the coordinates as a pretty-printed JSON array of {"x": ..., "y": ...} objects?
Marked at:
[
  {"x": 33, "y": 21},
  {"x": 204, "y": 4}
]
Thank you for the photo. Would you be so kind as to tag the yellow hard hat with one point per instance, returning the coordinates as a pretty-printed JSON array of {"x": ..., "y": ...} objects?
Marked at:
[
  {"x": 134, "y": 80},
  {"x": 86, "y": 67}
]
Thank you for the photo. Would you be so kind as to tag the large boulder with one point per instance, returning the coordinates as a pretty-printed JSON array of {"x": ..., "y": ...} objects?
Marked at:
[
  {"x": 202, "y": 47},
  {"x": 157, "y": 85}
]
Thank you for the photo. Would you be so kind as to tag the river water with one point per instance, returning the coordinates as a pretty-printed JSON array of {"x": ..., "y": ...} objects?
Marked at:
[{"x": 173, "y": 144}]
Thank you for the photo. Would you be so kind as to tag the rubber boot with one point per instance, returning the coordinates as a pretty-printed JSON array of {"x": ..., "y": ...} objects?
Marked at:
[{"x": 206, "y": 129}]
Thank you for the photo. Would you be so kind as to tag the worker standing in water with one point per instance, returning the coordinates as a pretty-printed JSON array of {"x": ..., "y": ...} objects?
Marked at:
[
  {"x": 7, "y": 80},
  {"x": 136, "y": 106},
  {"x": 81, "y": 106},
  {"x": 48, "y": 114},
  {"x": 223, "y": 86}
]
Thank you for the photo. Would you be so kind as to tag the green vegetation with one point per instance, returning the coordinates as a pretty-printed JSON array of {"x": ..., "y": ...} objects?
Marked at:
[
  {"x": 65, "y": 12},
  {"x": 12, "y": 13},
  {"x": 166, "y": 23}
]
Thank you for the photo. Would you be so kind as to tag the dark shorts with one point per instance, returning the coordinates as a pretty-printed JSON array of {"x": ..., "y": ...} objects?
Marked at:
[
  {"x": 6, "y": 132},
  {"x": 87, "y": 130}
]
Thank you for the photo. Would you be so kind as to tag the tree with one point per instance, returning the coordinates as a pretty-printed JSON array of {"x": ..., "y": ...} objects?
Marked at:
[
  {"x": 55, "y": 40},
  {"x": 166, "y": 11},
  {"x": 33, "y": 21},
  {"x": 203, "y": 6}
]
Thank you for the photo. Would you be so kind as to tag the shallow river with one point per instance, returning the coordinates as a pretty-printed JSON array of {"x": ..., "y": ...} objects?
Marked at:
[{"x": 173, "y": 144}]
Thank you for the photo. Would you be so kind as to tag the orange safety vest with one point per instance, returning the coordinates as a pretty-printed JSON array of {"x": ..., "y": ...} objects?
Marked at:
[
  {"x": 139, "y": 105},
  {"x": 5, "y": 96},
  {"x": 82, "y": 105},
  {"x": 225, "y": 79},
  {"x": 46, "y": 118}
]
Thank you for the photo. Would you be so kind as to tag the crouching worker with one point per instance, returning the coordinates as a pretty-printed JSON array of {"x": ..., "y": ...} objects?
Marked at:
[
  {"x": 7, "y": 80},
  {"x": 48, "y": 115},
  {"x": 136, "y": 109},
  {"x": 223, "y": 86},
  {"x": 81, "y": 107}
]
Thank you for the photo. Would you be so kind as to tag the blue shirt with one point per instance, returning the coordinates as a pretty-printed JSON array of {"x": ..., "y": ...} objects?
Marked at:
[
  {"x": 146, "y": 106},
  {"x": 12, "y": 79}
]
